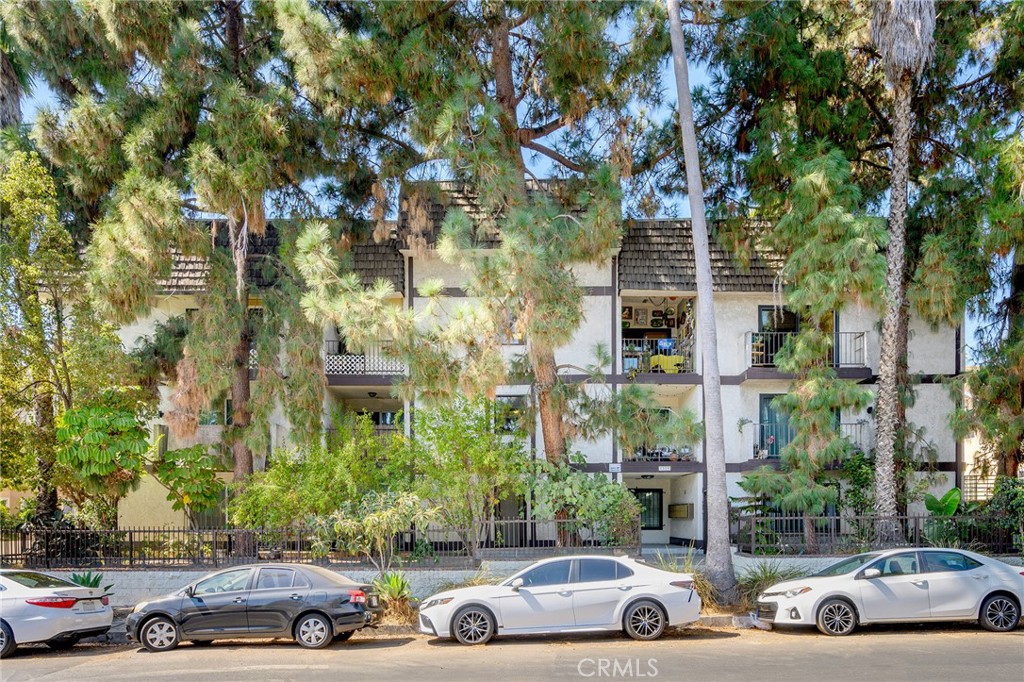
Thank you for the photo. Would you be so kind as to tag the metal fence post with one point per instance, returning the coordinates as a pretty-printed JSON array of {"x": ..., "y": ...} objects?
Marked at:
[
  {"x": 917, "y": 531},
  {"x": 753, "y": 534},
  {"x": 131, "y": 548}
]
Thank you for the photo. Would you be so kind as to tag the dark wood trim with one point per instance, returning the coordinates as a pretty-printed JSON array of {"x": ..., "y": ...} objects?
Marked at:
[
  {"x": 409, "y": 288},
  {"x": 460, "y": 292},
  {"x": 634, "y": 467},
  {"x": 616, "y": 323},
  {"x": 686, "y": 542},
  {"x": 753, "y": 464},
  {"x": 958, "y": 355},
  {"x": 861, "y": 374},
  {"x": 362, "y": 379}
]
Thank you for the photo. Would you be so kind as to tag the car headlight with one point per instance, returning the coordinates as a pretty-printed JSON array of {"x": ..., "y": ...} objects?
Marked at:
[
  {"x": 141, "y": 605},
  {"x": 788, "y": 593},
  {"x": 436, "y": 602}
]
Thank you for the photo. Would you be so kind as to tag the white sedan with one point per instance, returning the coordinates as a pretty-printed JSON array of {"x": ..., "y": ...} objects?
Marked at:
[
  {"x": 36, "y": 607},
  {"x": 900, "y": 586},
  {"x": 571, "y": 594}
]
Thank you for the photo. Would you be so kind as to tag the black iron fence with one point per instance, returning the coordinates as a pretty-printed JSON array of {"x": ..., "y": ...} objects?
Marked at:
[
  {"x": 831, "y": 535},
  {"x": 142, "y": 548}
]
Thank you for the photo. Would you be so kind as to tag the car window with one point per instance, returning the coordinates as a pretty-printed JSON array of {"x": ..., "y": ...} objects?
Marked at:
[
  {"x": 36, "y": 580},
  {"x": 948, "y": 561},
  {"x": 848, "y": 565},
  {"x": 274, "y": 578},
  {"x": 301, "y": 581},
  {"x": 623, "y": 571},
  {"x": 898, "y": 564},
  {"x": 555, "y": 573},
  {"x": 229, "y": 581},
  {"x": 594, "y": 570}
]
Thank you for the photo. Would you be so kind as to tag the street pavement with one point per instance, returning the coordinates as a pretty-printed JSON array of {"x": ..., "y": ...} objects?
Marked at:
[{"x": 926, "y": 653}]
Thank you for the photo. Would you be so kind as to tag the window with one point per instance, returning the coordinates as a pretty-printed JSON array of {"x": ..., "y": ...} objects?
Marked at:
[
  {"x": 900, "y": 564},
  {"x": 596, "y": 570},
  {"x": 35, "y": 580},
  {"x": 936, "y": 562},
  {"x": 508, "y": 413},
  {"x": 274, "y": 578},
  {"x": 555, "y": 573},
  {"x": 650, "y": 508},
  {"x": 773, "y": 431},
  {"x": 229, "y": 581}
]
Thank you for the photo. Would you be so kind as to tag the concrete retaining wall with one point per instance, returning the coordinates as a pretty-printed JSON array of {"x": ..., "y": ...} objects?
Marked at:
[{"x": 131, "y": 587}]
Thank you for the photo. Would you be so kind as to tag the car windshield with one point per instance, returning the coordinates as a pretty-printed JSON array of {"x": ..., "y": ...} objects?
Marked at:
[
  {"x": 851, "y": 564},
  {"x": 36, "y": 580}
]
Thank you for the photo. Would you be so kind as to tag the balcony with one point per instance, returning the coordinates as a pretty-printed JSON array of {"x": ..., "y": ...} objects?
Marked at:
[
  {"x": 849, "y": 349},
  {"x": 767, "y": 440},
  {"x": 654, "y": 356},
  {"x": 374, "y": 361},
  {"x": 663, "y": 453}
]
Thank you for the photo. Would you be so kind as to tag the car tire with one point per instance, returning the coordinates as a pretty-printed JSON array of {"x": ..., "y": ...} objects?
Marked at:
[
  {"x": 644, "y": 620},
  {"x": 159, "y": 634},
  {"x": 60, "y": 644},
  {"x": 313, "y": 631},
  {"x": 836, "y": 618},
  {"x": 344, "y": 636},
  {"x": 999, "y": 613},
  {"x": 473, "y": 625},
  {"x": 7, "y": 643}
]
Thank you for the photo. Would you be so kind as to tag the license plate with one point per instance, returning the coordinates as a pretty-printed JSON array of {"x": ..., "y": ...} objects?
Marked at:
[
  {"x": 373, "y": 601},
  {"x": 88, "y": 605}
]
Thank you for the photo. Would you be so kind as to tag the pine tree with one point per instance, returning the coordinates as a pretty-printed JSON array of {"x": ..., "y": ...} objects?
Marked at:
[{"x": 175, "y": 109}]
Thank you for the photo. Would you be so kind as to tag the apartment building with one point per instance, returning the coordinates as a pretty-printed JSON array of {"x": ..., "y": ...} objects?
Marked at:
[{"x": 641, "y": 304}]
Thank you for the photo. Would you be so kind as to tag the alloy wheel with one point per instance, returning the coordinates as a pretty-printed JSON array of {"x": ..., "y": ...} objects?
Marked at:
[
  {"x": 837, "y": 618},
  {"x": 161, "y": 634},
  {"x": 645, "y": 621},
  {"x": 1001, "y": 612},
  {"x": 312, "y": 632},
  {"x": 474, "y": 627}
]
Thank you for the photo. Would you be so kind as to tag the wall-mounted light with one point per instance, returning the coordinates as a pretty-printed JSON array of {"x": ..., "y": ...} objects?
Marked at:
[{"x": 647, "y": 476}]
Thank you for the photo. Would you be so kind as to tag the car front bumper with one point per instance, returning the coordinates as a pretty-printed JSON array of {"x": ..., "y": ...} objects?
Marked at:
[{"x": 774, "y": 611}]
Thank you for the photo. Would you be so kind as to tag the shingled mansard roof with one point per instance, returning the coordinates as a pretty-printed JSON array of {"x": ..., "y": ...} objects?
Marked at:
[
  {"x": 658, "y": 255},
  {"x": 369, "y": 260}
]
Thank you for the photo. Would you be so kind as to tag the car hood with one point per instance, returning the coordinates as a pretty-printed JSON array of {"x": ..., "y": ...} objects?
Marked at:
[
  {"x": 463, "y": 593},
  {"x": 809, "y": 581}
]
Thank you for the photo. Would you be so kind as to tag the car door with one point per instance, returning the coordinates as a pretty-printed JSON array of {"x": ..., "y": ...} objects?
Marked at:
[
  {"x": 543, "y": 602},
  {"x": 899, "y": 593},
  {"x": 956, "y": 583},
  {"x": 217, "y": 605},
  {"x": 601, "y": 584},
  {"x": 277, "y": 595}
]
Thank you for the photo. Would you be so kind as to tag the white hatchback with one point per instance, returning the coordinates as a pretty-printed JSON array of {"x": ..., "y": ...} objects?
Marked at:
[
  {"x": 36, "y": 607},
  {"x": 570, "y": 594},
  {"x": 900, "y": 586}
]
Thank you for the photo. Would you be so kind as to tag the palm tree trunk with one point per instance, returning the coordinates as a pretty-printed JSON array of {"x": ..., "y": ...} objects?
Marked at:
[
  {"x": 887, "y": 409},
  {"x": 10, "y": 94},
  {"x": 718, "y": 561}
]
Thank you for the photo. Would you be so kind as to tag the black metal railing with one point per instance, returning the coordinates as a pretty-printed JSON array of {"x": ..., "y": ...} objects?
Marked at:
[
  {"x": 142, "y": 548},
  {"x": 666, "y": 356},
  {"x": 849, "y": 534},
  {"x": 849, "y": 349}
]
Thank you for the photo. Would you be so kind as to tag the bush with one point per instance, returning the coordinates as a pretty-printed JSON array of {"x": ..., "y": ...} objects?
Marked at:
[
  {"x": 686, "y": 564},
  {"x": 763, "y": 575},
  {"x": 395, "y": 594}
]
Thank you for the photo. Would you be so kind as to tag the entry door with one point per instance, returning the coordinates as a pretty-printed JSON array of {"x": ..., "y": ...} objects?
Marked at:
[
  {"x": 217, "y": 605},
  {"x": 773, "y": 432},
  {"x": 900, "y": 593},
  {"x": 278, "y": 594},
  {"x": 543, "y": 602}
]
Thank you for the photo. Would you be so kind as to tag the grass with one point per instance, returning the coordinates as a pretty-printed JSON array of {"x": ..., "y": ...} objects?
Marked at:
[
  {"x": 763, "y": 575},
  {"x": 687, "y": 564}
]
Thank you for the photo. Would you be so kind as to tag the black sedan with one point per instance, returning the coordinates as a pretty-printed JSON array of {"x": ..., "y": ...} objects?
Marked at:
[{"x": 308, "y": 603}]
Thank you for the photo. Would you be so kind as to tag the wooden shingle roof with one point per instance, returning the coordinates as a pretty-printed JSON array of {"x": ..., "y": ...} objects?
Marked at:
[{"x": 658, "y": 255}]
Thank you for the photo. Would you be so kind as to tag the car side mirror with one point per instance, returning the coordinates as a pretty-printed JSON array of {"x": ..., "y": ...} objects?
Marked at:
[
  {"x": 190, "y": 591},
  {"x": 516, "y": 584},
  {"x": 870, "y": 573}
]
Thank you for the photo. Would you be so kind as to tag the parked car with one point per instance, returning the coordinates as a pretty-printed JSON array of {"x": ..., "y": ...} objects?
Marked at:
[
  {"x": 308, "y": 603},
  {"x": 571, "y": 594},
  {"x": 900, "y": 586},
  {"x": 36, "y": 607}
]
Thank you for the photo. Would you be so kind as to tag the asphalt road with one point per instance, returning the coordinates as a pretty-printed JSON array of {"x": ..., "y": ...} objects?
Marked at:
[{"x": 926, "y": 653}]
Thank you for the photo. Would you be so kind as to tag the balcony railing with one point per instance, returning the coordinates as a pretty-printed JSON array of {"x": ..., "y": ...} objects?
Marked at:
[
  {"x": 663, "y": 453},
  {"x": 768, "y": 439},
  {"x": 668, "y": 356},
  {"x": 849, "y": 349},
  {"x": 338, "y": 360}
]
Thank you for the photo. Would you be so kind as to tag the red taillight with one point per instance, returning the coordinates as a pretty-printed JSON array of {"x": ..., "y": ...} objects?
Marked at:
[
  {"x": 53, "y": 602},
  {"x": 105, "y": 600},
  {"x": 685, "y": 584},
  {"x": 357, "y": 597}
]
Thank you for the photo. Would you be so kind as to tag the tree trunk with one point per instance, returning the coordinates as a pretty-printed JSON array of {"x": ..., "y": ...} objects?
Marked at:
[
  {"x": 887, "y": 408},
  {"x": 810, "y": 536},
  {"x": 45, "y": 445},
  {"x": 240, "y": 416},
  {"x": 10, "y": 94},
  {"x": 1010, "y": 461},
  {"x": 718, "y": 561}
]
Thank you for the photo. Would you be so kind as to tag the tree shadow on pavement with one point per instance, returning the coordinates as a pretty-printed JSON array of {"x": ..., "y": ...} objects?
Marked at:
[{"x": 688, "y": 634}]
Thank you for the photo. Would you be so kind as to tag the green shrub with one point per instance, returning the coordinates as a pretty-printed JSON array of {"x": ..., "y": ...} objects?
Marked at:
[
  {"x": 687, "y": 564},
  {"x": 763, "y": 575},
  {"x": 90, "y": 579}
]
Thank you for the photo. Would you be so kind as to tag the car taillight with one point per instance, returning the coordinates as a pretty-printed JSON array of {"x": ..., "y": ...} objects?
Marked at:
[
  {"x": 53, "y": 602},
  {"x": 105, "y": 600},
  {"x": 357, "y": 597},
  {"x": 685, "y": 584}
]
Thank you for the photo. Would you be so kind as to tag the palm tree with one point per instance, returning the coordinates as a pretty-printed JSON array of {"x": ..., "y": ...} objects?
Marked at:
[
  {"x": 718, "y": 562},
  {"x": 13, "y": 80},
  {"x": 903, "y": 31}
]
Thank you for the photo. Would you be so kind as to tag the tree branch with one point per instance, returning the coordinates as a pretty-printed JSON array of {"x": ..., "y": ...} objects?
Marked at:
[{"x": 555, "y": 156}]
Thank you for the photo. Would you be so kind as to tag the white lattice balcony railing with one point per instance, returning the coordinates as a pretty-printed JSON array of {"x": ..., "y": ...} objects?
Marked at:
[{"x": 338, "y": 360}]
